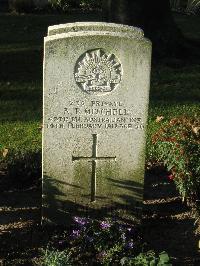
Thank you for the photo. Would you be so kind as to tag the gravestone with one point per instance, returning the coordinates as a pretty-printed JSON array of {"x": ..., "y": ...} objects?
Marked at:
[
  {"x": 94, "y": 26},
  {"x": 96, "y": 91}
]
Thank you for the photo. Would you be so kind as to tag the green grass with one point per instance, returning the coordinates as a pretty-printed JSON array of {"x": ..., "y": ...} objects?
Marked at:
[
  {"x": 21, "y": 55},
  {"x": 189, "y": 25},
  {"x": 174, "y": 84},
  {"x": 175, "y": 91}
]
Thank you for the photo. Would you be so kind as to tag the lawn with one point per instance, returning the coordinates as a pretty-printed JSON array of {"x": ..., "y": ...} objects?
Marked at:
[
  {"x": 174, "y": 84},
  {"x": 175, "y": 91},
  {"x": 21, "y": 55}
]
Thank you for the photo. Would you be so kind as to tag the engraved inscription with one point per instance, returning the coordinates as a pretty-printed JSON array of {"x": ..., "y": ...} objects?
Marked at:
[
  {"x": 97, "y": 72},
  {"x": 96, "y": 115}
]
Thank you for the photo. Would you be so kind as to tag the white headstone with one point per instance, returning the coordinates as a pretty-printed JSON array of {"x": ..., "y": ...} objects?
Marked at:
[{"x": 96, "y": 91}]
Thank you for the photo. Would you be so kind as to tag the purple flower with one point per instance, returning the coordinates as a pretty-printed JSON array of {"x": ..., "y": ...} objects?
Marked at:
[
  {"x": 105, "y": 225},
  {"x": 130, "y": 245},
  {"x": 75, "y": 233},
  {"x": 80, "y": 221},
  {"x": 129, "y": 229}
]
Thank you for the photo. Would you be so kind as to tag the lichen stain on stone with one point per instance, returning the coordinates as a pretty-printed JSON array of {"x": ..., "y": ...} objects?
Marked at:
[{"x": 82, "y": 173}]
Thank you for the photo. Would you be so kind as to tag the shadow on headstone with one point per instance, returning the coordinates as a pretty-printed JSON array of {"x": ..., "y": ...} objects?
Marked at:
[
  {"x": 56, "y": 208},
  {"x": 96, "y": 92}
]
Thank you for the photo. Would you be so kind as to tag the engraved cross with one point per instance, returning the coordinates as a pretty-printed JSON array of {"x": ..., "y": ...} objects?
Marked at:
[{"x": 94, "y": 158}]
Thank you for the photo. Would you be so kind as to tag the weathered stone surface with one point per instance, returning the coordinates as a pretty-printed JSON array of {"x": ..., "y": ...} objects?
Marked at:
[
  {"x": 95, "y": 26},
  {"x": 96, "y": 87}
]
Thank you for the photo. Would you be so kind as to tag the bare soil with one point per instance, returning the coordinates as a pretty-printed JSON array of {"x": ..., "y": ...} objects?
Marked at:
[{"x": 168, "y": 224}]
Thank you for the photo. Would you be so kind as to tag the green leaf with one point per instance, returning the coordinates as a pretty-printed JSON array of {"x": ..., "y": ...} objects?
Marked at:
[{"x": 164, "y": 259}]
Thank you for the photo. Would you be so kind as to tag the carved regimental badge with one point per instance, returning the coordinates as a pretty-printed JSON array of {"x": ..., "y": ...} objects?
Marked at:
[{"x": 98, "y": 73}]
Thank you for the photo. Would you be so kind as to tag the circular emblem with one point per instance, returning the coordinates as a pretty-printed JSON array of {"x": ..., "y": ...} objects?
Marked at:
[{"x": 97, "y": 72}]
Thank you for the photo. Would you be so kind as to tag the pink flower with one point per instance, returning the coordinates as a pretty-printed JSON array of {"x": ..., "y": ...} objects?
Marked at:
[{"x": 171, "y": 177}]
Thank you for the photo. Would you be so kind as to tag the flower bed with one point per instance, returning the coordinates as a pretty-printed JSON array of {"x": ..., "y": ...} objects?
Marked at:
[{"x": 96, "y": 242}]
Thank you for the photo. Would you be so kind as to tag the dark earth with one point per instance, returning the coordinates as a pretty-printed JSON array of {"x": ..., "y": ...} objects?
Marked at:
[{"x": 168, "y": 224}]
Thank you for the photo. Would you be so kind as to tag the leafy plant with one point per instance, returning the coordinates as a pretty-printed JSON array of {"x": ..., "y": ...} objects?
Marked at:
[
  {"x": 60, "y": 5},
  {"x": 193, "y": 7},
  {"x": 22, "y": 168},
  {"x": 63, "y": 5},
  {"x": 90, "y": 4},
  {"x": 104, "y": 242},
  {"x": 22, "y": 6},
  {"x": 148, "y": 259},
  {"x": 178, "y": 145},
  {"x": 188, "y": 6},
  {"x": 175, "y": 4},
  {"x": 56, "y": 258},
  {"x": 107, "y": 239}
]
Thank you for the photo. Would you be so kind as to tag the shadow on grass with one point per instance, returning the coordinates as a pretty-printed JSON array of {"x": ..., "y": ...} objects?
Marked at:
[
  {"x": 168, "y": 224},
  {"x": 22, "y": 236},
  {"x": 21, "y": 171},
  {"x": 21, "y": 65}
]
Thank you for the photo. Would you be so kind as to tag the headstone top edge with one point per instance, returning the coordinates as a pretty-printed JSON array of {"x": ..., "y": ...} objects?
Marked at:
[
  {"x": 104, "y": 26},
  {"x": 95, "y": 33}
]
